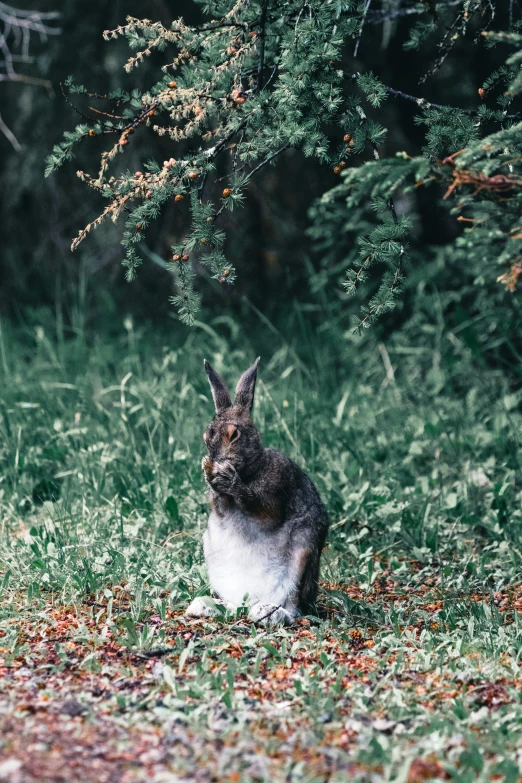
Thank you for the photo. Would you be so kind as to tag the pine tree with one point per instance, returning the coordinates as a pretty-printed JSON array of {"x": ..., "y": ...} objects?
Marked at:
[{"x": 258, "y": 78}]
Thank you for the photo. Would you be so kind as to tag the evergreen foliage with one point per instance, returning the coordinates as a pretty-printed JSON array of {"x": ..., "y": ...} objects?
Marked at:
[{"x": 258, "y": 78}]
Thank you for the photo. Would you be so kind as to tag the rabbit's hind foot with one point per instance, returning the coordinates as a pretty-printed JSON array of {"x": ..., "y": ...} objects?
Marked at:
[
  {"x": 271, "y": 614},
  {"x": 203, "y": 606}
]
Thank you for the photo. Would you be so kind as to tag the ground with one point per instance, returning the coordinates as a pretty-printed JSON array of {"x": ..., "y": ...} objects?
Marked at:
[{"x": 411, "y": 669}]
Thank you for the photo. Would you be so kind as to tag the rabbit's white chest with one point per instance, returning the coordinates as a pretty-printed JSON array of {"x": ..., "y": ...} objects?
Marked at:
[{"x": 243, "y": 560}]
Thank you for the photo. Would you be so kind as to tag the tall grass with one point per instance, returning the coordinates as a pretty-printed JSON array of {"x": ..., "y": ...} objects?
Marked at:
[
  {"x": 414, "y": 446},
  {"x": 101, "y": 446}
]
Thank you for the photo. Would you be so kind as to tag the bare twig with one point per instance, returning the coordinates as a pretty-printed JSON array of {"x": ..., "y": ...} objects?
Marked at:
[
  {"x": 384, "y": 15},
  {"x": 267, "y": 160},
  {"x": 22, "y": 77},
  {"x": 390, "y": 372},
  {"x": 447, "y": 43},
  {"x": 391, "y": 207},
  {"x": 16, "y": 27},
  {"x": 8, "y": 133},
  {"x": 366, "y": 7}
]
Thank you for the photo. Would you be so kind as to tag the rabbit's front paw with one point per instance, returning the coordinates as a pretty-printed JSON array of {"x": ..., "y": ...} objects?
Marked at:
[
  {"x": 208, "y": 467},
  {"x": 204, "y": 606},
  {"x": 224, "y": 477},
  {"x": 270, "y": 614}
]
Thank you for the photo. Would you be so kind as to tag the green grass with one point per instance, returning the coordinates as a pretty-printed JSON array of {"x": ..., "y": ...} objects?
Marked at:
[{"x": 412, "y": 669}]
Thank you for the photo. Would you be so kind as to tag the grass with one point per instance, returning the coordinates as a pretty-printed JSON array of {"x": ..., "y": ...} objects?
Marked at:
[{"x": 410, "y": 672}]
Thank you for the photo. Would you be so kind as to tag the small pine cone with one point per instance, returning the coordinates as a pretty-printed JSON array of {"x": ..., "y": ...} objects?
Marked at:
[
  {"x": 148, "y": 194},
  {"x": 193, "y": 175},
  {"x": 222, "y": 279},
  {"x": 139, "y": 227},
  {"x": 92, "y": 132},
  {"x": 482, "y": 92},
  {"x": 342, "y": 164},
  {"x": 185, "y": 257},
  {"x": 138, "y": 175},
  {"x": 203, "y": 241},
  {"x": 238, "y": 96},
  {"x": 124, "y": 142},
  {"x": 347, "y": 138},
  {"x": 178, "y": 197},
  {"x": 355, "y": 634},
  {"x": 226, "y": 272},
  {"x": 226, "y": 192},
  {"x": 337, "y": 169},
  {"x": 172, "y": 85},
  {"x": 176, "y": 257}
]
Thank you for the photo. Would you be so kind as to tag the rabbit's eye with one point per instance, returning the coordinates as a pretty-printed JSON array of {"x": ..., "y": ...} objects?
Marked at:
[{"x": 233, "y": 434}]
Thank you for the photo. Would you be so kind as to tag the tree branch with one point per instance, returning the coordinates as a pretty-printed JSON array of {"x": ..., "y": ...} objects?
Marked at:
[
  {"x": 21, "y": 77},
  {"x": 9, "y": 135},
  {"x": 255, "y": 170},
  {"x": 267, "y": 160},
  {"x": 262, "y": 46},
  {"x": 18, "y": 25},
  {"x": 366, "y": 7},
  {"x": 423, "y": 103}
]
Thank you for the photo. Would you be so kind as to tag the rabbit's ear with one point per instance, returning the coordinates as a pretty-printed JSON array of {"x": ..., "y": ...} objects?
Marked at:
[
  {"x": 246, "y": 386},
  {"x": 220, "y": 392}
]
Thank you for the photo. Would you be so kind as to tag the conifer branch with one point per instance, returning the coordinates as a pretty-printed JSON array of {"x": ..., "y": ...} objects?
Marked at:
[
  {"x": 424, "y": 103},
  {"x": 262, "y": 40},
  {"x": 267, "y": 161}
]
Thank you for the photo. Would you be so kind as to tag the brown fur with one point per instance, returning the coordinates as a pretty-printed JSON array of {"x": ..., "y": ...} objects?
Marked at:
[{"x": 270, "y": 489}]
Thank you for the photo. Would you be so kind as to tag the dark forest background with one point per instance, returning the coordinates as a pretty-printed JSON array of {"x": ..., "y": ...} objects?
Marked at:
[{"x": 278, "y": 262}]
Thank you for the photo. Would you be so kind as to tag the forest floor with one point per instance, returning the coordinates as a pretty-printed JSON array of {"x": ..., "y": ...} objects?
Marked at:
[{"x": 412, "y": 669}]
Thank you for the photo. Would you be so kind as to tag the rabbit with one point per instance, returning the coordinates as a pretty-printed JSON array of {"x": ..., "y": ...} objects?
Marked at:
[{"x": 267, "y": 524}]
